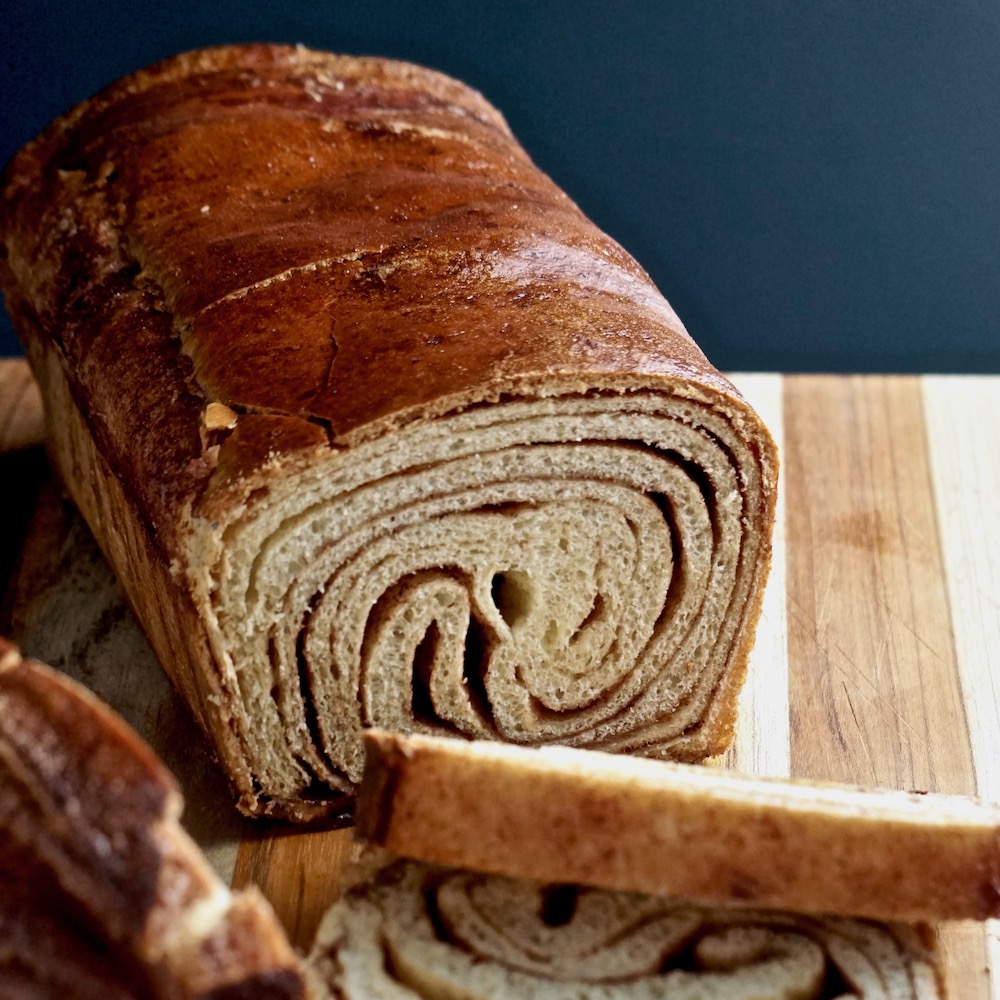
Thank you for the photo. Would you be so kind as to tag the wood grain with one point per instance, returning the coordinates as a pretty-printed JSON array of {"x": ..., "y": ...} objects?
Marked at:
[
  {"x": 964, "y": 417},
  {"x": 875, "y": 661},
  {"x": 22, "y": 465},
  {"x": 300, "y": 873},
  {"x": 875, "y": 690}
]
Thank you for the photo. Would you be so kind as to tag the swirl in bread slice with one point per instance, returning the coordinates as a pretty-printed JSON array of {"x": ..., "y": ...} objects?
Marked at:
[{"x": 419, "y": 931}]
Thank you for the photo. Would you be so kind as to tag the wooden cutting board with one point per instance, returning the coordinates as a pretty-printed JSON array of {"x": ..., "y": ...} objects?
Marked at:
[{"x": 874, "y": 657}]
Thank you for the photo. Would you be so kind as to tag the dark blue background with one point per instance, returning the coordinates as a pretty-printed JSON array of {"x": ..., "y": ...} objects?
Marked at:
[{"x": 814, "y": 185}]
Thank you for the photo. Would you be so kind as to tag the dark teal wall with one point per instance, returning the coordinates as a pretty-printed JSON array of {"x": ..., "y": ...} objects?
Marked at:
[{"x": 814, "y": 185}]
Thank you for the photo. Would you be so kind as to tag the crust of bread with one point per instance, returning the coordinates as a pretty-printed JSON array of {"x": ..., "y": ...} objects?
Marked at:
[
  {"x": 45, "y": 953},
  {"x": 151, "y": 277},
  {"x": 440, "y": 235},
  {"x": 563, "y": 815},
  {"x": 164, "y": 608}
]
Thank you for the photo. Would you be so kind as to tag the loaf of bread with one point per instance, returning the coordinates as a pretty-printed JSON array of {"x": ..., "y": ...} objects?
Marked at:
[
  {"x": 375, "y": 427},
  {"x": 102, "y": 893},
  {"x": 563, "y": 815},
  {"x": 415, "y": 930}
]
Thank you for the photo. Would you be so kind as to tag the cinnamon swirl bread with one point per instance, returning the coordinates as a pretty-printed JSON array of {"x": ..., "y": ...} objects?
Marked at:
[
  {"x": 415, "y": 930},
  {"x": 103, "y": 897},
  {"x": 376, "y": 427}
]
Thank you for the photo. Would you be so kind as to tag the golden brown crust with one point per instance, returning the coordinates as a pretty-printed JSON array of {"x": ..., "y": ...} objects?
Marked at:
[
  {"x": 676, "y": 830},
  {"x": 165, "y": 242},
  {"x": 388, "y": 254}
]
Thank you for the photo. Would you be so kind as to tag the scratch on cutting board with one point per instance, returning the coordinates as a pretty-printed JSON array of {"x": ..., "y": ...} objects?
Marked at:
[
  {"x": 879, "y": 698},
  {"x": 837, "y": 657},
  {"x": 823, "y": 601},
  {"x": 897, "y": 617},
  {"x": 880, "y": 654},
  {"x": 864, "y": 741}
]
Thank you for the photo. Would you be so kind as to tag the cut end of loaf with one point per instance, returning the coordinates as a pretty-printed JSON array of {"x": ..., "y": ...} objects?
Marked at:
[{"x": 581, "y": 570}]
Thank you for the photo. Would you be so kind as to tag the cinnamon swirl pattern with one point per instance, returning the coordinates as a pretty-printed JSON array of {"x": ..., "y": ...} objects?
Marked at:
[
  {"x": 418, "y": 931},
  {"x": 569, "y": 570}
]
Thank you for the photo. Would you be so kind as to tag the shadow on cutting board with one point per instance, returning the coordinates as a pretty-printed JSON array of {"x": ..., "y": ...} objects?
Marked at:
[{"x": 66, "y": 608}]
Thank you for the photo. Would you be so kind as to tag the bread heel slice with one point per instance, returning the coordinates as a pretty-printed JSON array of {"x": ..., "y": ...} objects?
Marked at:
[
  {"x": 564, "y": 815},
  {"x": 99, "y": 869}
]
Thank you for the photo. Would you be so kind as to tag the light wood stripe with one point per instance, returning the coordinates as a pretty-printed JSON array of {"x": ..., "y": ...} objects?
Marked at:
[
  {"x": 761, "y": 744},
  {"x": 963, "y": 417}
]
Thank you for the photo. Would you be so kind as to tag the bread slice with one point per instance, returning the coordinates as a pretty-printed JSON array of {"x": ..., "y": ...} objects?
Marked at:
[
  {"x": 565, "y": 815},
  {"x": 375, "y": 427},
  {"x": 103, "y": 893},
  {"x": 416, "y": 930}
]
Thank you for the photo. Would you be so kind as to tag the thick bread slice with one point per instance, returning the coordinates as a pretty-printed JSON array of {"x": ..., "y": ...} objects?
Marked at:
[
  {"x": 564, "y": 815},
  {"x": 417, "y": 931},
  {"x": 375, "y": 427},
  {"x": 97, "y": 866}
]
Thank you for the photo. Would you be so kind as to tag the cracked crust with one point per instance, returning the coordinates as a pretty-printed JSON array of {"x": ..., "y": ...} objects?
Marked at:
[
  {"x": 250, "y": 263},
  {"x": 162, "y": 233}
]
